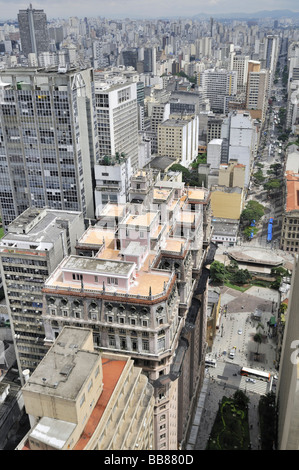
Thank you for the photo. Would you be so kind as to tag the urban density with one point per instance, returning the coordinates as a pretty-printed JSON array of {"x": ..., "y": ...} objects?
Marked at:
[{"x": 149, "y": 233}]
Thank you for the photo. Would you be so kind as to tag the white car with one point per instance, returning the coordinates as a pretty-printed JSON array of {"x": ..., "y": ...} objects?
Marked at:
[
  {"x": 250, "y": 380},
  {"x": 239, "y": 332}
]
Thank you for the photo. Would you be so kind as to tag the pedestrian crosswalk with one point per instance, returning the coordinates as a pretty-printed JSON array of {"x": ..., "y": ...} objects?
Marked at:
[
  {"x": 259, "y": 386},
  {"x": 229, "y": 376}
]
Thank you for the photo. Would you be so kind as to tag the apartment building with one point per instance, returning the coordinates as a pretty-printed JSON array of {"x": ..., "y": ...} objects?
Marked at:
[
  {"x": 178, "y": 139},
  {"x": 157, "y": 113},
  {"x": 117, "y": 118},
  {"x": 218, "y": 84},
  {"x": 240, "y": 65},
  {"x": 257, "y": 93},
  {"x": 35, "y": 243},
  {"x": 47, "y": 140},
  {"x": 80, "y": 399},
  {"x": 133, "y": 286}
]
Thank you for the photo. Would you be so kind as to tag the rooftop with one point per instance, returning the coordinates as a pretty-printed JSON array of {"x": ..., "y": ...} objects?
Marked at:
[
  {"x": 62, "y": 372},
  {"x": 292, "y": 199}
]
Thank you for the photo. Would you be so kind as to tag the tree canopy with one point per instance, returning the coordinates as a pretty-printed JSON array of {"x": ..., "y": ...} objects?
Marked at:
[{"x": 253, "y": 211}]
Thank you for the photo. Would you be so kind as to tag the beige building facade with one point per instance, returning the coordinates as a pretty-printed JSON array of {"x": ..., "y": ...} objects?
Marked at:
[{"x": 79, "y": 399}]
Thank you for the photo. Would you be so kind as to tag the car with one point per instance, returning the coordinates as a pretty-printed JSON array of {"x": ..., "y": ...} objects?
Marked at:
[
  {"x": 250, "y": 380},
  {"x": 239, "y": 332}
]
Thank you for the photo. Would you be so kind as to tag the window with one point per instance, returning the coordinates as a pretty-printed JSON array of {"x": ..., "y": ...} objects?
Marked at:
[
  {"x": 112, "y": 281},
  {"x": 82, "y": 400}
]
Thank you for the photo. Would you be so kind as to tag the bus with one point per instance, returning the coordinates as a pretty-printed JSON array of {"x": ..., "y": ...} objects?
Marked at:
[
  {"x": 270, "y": 228},
  {"x": 254, "y": 373},
  {"x": 210, "y": 362}
]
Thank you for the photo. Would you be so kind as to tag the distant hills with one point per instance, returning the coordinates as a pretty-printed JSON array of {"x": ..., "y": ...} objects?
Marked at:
[{"x": 274, "y": 14}]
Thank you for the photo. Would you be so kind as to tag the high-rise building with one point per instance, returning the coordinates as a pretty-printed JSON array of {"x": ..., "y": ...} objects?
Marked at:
[
  {"x": 35, "y": 243},
  {"x": 33, "y": 31},
  {"x": 117, "y": 119},
  {"x": 240, "y": 65},
  {"x": 218, "y": 86},
  {"x": 257, "y": 93},
  {"x": 47, "y": 140},
  {"x": 133, "y": 285}
]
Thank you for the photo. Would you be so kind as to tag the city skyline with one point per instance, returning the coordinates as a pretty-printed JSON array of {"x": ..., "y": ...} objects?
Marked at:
[{"x": 146, "y": 9}]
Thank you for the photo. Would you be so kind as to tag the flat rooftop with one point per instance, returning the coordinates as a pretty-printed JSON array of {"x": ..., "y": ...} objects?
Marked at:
[
  {"x": 142, "y": 220},
  {"x": 63, "y": 370},
  {"x": 292, "y": 199},
  {"x": 98, "y": 265},
  {"x": 143, "y": 281},
  {"x": 196, "y": 194}
]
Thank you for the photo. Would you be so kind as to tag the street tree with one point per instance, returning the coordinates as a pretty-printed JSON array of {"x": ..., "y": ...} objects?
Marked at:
[
  {"x": 253, "y": 211},
  {"x": 218, "y": 271}
]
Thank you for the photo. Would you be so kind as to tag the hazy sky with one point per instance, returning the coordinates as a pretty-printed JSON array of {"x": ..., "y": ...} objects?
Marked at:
[{"x": 141, "y": 8}]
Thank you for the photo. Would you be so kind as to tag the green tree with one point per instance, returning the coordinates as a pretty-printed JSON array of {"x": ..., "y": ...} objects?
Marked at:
[
  {"x": 248, "y": 230},
  {"x": 258, "y": 176},
  {"x": 258, "y": 339},
  {"x": 241, "y": 399},
  {"x": 272, "y": 185},
  {"x": 253, "y": 211},
  {"x": 218, "y": 271},
  {"x": 241, "y": 276}
]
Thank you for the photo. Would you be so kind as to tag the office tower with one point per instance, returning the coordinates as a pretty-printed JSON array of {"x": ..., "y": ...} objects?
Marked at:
[
  {"x": 288, "y": 378},
  {"x": 117, "y": 119},
  {"x": 271, "y": 51},
  {"x": 33, "y": 31},
  {"x": 130, "y": 58},
  {"x": 47, "y": 140},
  {"x": 149, "y": 61},
  {"x": 218, "y": 85},
  {"x": 257, "y": 93},
  {"x": 34, "y": 245},
  {"x": 133, "y": 285},
  {"x": 178, "y": 139},
  {"x": 79, "y": 399}
]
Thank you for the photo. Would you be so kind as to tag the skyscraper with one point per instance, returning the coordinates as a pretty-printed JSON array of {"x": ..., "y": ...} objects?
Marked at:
[
  {"x": 117, "y": 119},
  {"x": 47, "y": 148},
  {"x": 33, "y": 31}
]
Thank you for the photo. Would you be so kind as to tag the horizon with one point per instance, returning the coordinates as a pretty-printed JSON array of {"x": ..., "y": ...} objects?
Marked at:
[{"x": 136, "y": 10}]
